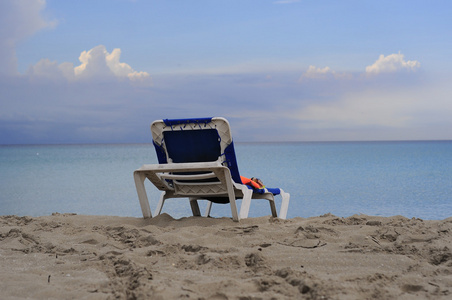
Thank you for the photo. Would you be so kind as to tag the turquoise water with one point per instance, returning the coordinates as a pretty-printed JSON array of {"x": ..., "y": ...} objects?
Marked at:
[{"x": 413, "y": 179}]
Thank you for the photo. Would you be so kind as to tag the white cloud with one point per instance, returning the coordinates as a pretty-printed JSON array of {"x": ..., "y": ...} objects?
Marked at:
[
  {"x": 385, "y": 64},
  {"x": 122, "y": 69},
  {"x": 314, "y": 72},
  {"x": 392, "y": 63},
  {"x": 322, "y": 73},
  {"x": 51, "y": 70},
  {"x": 18, "y": 20},
  {"x": 96, "y": 64},
  {"x": 93, "y": 63}
]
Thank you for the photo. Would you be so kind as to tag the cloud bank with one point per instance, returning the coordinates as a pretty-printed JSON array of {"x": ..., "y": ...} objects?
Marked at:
[{"x": 98, "y": 101}]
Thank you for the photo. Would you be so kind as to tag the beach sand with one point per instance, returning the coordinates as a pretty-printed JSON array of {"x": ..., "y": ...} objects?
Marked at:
[{"x": 67, "y": 256}]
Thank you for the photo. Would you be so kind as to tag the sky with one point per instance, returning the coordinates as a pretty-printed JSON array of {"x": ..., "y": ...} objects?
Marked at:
[{"x": 101, "y": 71}]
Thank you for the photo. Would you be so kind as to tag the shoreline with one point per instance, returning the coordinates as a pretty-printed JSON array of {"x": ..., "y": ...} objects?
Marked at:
[{"x": 66, "y": 256}]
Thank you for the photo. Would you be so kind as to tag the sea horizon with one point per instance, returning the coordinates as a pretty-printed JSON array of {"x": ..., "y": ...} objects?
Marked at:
[
  {"x": 235, "y": 141},
  {"x": 380, "y": 178}
]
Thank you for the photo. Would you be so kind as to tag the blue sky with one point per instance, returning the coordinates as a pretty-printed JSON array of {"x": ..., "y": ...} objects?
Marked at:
[{"x": 102, "y": 71}]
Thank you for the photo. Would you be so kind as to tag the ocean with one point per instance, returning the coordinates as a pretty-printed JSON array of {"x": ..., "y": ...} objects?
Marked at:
[{"x": 412, "y": 179}]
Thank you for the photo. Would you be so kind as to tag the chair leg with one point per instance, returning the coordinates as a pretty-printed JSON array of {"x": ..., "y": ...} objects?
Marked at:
[
  {"x": 235, "y": 215},
  {"x": 195, "y": 207},
  {"x": 246, "y": 202},
  {"x": 158, "y": 210},
  {"x": 231, "y": 195},
  {"x": 142, "y": 196},
  {"x": 208, "y": 208},
  {"x": 273, "y": 208},
  {"x": 284, "y": 205}
]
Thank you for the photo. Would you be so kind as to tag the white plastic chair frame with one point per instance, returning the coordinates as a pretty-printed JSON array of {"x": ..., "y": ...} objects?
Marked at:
[{"x": 189, "y": 185}]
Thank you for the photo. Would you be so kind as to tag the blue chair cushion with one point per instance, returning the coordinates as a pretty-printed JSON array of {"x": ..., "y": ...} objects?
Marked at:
[{"x": 185, "y": 146}]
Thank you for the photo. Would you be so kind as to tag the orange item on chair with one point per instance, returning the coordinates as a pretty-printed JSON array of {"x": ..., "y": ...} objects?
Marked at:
[{"x": 248, "y": 181}]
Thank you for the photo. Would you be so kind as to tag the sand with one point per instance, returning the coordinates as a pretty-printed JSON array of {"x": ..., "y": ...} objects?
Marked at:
[{"x": 68, "y": 256}]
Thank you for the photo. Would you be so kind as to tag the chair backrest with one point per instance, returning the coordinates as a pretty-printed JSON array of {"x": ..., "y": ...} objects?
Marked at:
[{"x": 195, "y": 140}]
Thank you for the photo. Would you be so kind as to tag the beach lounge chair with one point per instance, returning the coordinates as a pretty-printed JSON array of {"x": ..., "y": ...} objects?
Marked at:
[{"x": 197, "y": 161}]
